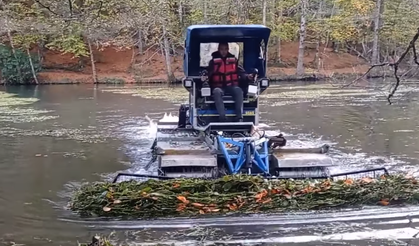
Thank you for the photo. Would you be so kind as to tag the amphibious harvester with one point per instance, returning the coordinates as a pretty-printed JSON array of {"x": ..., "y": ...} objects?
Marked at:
[{"x": 197, "y": 145}]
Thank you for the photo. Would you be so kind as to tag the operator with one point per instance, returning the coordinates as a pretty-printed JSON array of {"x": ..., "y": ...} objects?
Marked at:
[{"x": 224, "y": 74}]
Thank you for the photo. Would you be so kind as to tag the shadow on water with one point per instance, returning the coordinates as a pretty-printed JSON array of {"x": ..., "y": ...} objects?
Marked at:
[{"x": 75, "y": 134}]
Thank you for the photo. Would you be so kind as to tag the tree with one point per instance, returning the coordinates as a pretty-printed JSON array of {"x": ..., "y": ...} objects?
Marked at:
[{"x": 302, "y": 32}]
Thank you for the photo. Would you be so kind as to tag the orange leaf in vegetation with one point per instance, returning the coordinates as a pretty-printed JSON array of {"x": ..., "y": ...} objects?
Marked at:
[
  {"x": 367, "y": 180},
  {"x": 214, "y": 210},
  {"x": 261, "y": 195},
  {"x": 326, "y": 183},
  {"x": 183, "y": 199},
  {"x": 198, "y": 205},
  {"x": 384, "y": 202},
  {"x": 176, "y": 185},
  {"x": 232, "y": 207},
  {"x": 275, "y": 191},
  {"x": 307, "y": 190},
  {"x": 267, "y": 200},
  {"x": 349, "y": 181},
  {"x": 107, "y": 209},
  {"x": 201, "y": 212},
  {"x": 181, "y": 207},
  {"x": 137, "y": 208},
  {"x": 288, "y": 196}
]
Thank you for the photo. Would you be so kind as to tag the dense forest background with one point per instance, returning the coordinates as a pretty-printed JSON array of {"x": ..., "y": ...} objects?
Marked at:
[{"x": 145, "y": 37}]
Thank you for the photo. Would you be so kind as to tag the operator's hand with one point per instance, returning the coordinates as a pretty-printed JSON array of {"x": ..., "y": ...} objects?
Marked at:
[
  {"x": 250, "y": 76},
  {"x": 204, "y": 78}
]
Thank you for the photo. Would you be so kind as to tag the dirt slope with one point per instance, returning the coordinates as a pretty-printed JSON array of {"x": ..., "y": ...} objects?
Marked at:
[{"x": 112, "y": 64}]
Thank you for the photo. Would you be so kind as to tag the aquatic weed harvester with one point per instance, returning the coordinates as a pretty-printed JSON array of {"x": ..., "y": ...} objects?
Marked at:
[{"x": 197, "y": 145}]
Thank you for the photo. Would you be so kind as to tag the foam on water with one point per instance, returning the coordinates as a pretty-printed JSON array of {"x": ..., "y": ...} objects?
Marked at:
[{"x": 169, "y": 118}]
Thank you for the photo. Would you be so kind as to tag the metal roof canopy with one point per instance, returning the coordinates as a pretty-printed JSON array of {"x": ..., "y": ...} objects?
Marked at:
[
  {"x": 225, "y": 33},
  {"x": 250, "y": 35}
]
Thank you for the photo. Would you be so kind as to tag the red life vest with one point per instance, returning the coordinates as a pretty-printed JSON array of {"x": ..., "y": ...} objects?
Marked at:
[{"x": 225, "y": 73}]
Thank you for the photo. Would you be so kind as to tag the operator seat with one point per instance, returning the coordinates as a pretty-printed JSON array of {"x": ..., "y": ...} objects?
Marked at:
[{"x": 208, "y": 113}]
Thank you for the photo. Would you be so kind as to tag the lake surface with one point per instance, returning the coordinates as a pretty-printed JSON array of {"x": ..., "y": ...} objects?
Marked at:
[{"x": 53, "y": 138}]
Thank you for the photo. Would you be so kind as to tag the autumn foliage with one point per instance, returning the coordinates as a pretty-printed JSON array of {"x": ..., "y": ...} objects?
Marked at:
[{"x": 238, "y": 194}]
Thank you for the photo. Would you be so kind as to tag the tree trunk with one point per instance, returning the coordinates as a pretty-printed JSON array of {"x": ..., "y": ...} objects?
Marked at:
[
  {"x": 19, "y": 69},
  {"x": 300, "y": 62},
  {"x": 166, "y": 47},
  {"x": 32, "y": 67},
  {"x": 92, "y": 60},
  {"x": 278, "y": 50},
  {"x": 180, "y": 12},
  {"x": 264, "y": 12},
  {"x": 278, "y": 44},
  {"x": 375, "y": 59},
  {"x": 317, "y": 55},
  {"x": 140, "y": 41}
]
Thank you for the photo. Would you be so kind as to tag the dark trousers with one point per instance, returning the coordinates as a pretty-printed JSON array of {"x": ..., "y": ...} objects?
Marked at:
[{"x": 237, "y": 94}]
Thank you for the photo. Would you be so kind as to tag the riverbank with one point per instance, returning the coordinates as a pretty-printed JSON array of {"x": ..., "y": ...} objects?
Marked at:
[{"x": 130, "y": 67}]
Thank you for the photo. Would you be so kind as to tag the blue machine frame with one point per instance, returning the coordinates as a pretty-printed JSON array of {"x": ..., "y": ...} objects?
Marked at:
[{"x": 245, "y": 149}]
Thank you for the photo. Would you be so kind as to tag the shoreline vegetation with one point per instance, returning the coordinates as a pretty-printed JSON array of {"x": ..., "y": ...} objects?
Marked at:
[
  {"x": 237, "y": 195},
  {"x": 340, "y": 78},
  {"x": 49, "y": 42}
]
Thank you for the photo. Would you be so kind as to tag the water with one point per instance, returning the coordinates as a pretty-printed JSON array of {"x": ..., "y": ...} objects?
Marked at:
[{"x": 75, "y": 134}]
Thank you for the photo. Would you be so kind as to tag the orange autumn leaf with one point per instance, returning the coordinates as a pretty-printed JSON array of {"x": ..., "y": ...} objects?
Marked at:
[
  {"x": 107, "y": 209},
  {"x": 267, "y": 200},
  {"x": 288, "y": 196},
  {"x": 214, "y": 210},
  {"x": 307, "y": 190},
  {"x": 261, "y": 195},
  {"x": 183, "y": 199},
  {"x": 367, "y": 180},
  {"x": 326, "y": 183},
  {"x": 201, "y": 212},
  {"x": 181, "y": 207},
  {"x": 275, "y": 191},
  {"x": 349, "y": 181},
  {"x": 198, "y": 205},
  {"x": 176, "y": 185},
  {"x": 384, "y": 202},
  {"x": 232, "y": 207}
]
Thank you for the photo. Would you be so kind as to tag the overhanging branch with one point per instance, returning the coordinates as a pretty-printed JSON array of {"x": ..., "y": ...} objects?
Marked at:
[{"x": 412, "y": 46}]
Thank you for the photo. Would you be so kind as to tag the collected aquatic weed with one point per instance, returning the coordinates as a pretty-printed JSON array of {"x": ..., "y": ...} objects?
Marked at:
[{"x": 237, "y": 194}]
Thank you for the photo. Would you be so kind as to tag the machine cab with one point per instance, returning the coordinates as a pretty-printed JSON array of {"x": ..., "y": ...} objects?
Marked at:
[{"x": 249, "y": 45}]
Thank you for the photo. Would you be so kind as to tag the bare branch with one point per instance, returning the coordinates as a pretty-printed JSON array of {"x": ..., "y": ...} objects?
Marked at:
[{"x": 395, "y": 65}]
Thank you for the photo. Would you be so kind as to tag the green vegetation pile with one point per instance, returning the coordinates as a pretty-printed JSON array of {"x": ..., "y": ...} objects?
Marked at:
[{"x": 238, "y": 194}]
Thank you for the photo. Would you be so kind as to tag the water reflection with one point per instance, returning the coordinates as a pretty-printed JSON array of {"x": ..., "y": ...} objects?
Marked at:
[{"x": 88, "y": 133}]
